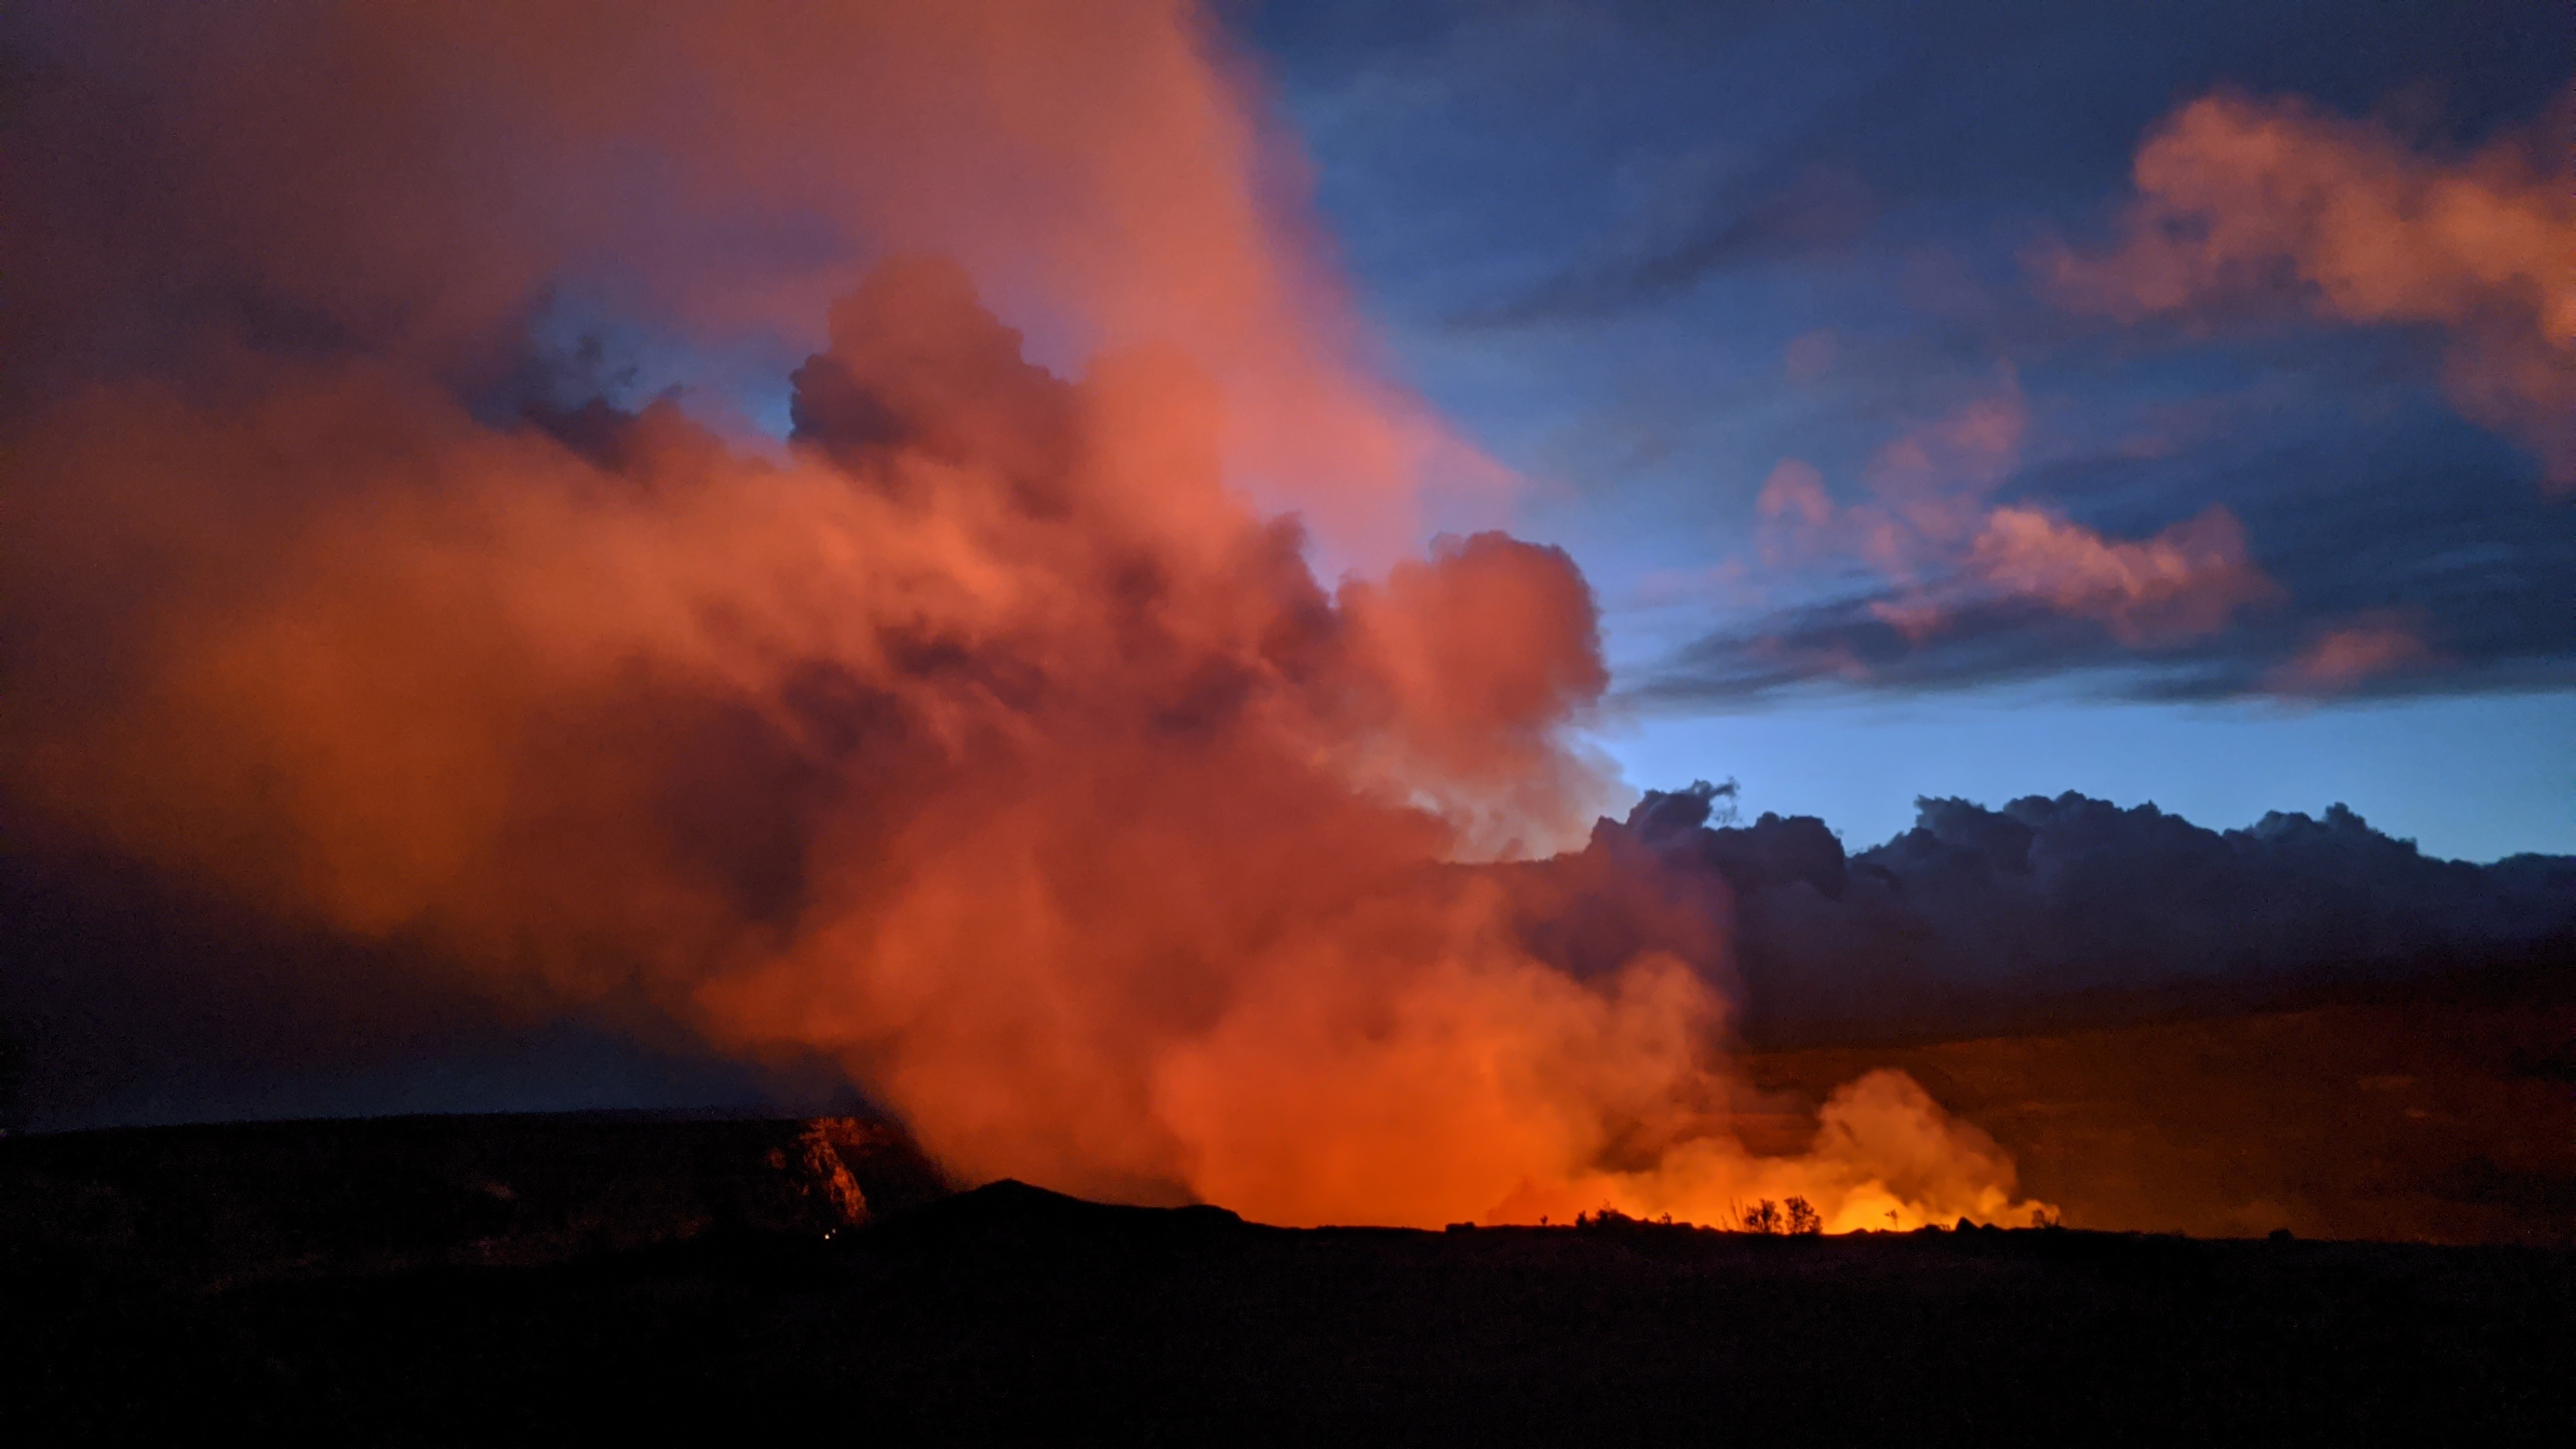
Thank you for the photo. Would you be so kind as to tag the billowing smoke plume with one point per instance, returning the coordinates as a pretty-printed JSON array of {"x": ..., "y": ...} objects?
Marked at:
[
  {"x": 986, "y": 741},
  {"x": 422, "y": 181}
]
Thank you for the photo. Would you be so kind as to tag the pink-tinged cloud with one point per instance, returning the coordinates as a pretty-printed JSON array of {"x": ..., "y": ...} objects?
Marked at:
[
  {"x": 1795, "y": 511},
  {"x": 1929, "y": 486},
  {"x": 2345, "y": 658},
  {"x": 2238, "y": 197},
  {"x": 1931, "y": 529},
  {"x": 2186, "y": 581}
]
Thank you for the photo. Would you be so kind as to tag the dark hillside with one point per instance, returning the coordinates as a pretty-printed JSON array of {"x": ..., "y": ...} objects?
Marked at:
[{"x": 1010, "y": 1313}]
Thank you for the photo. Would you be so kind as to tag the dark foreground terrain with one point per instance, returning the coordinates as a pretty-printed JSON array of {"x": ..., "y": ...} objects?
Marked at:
[
  {"x": 2440, "y": 1110},
  {"x": 505, "y": 1280}
]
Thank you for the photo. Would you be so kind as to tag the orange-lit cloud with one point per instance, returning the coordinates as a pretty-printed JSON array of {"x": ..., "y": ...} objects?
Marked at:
[
  {"x": 2239, "y": 196},
  {"x": 2344, "y": 658},
  {"x": 1930, "y": 528},
  {"x": 2184, "y": 582}
]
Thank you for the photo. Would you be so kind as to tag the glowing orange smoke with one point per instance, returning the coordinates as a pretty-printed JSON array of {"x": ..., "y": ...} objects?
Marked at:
[{"x": 990, "y": 740}]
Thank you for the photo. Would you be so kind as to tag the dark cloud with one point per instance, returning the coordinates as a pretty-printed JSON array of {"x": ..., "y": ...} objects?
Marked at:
[
  {"x": 1980, "y": 919},
  {"x": 1760, "y": 219},
  {"x": 2418, "y": 527},
  {"x": 2025, "y": 108},
  {"x": 1845, "y": 642}
]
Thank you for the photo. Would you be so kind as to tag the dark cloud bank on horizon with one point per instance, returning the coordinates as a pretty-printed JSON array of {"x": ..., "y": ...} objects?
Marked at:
[{"x": 1981, "y": 919}]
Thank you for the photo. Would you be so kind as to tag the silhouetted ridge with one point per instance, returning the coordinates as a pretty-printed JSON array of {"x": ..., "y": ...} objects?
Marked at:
[
  {"x": 1013, "y": 1215},
  {"x": 1987, "y": 919}
]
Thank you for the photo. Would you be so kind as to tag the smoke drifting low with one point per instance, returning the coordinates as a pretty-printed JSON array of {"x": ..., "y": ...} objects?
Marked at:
[{"x": 986, "y": 742}]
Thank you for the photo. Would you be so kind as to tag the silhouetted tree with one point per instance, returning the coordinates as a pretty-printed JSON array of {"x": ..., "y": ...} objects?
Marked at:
[{"x": 1803, "y": 1219}]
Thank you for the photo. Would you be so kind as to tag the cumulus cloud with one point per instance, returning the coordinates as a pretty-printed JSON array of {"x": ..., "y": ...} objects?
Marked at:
[
  {"x": 1982, "y": 919},
  {"x": 2183, "y": 582},
  {"x": 2238, "y": 197}
]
